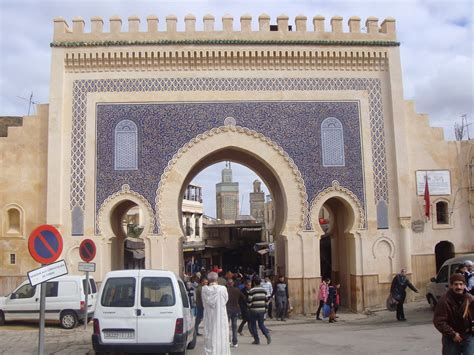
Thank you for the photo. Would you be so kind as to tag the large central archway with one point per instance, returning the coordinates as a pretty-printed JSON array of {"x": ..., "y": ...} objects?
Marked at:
[{"x": 248, "y": 148}]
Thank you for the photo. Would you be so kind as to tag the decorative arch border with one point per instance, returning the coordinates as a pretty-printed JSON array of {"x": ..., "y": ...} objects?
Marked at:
[
  {"x": 229, "y": 127},
  {"x": 5, "y": 218},
  {"x": 124, "y": 194},
  {"x": 390, "y": 243},
  {"x": 81, "y": 89},
  {"x": 336, "y": 190}
]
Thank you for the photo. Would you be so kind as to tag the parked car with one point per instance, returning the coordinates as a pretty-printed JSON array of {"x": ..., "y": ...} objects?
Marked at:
[
  {"x": 65, "y": 301},
  {"x": 439, "y": 285},
  {"x": 143, "y": 311}
]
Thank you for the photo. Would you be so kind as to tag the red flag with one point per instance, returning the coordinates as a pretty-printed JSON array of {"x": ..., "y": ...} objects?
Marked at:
[{"x": 427, "y": 198}]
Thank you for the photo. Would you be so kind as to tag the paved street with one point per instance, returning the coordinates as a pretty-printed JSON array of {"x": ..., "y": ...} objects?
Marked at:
[{"x": 377, "y": 333}]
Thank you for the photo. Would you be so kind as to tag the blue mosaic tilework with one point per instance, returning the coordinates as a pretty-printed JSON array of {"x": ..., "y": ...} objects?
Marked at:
[
  {"x": 164, "y": 128},
  {"x": 82, "y": 87}
]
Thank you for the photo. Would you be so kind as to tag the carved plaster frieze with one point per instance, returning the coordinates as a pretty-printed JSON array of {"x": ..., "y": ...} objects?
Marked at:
[
  {"x": 121, "y": 195},
  {"x": 344, "y": 193},
  {"x": 241, "y": 130},
  {"x": 144, "y": 59}
]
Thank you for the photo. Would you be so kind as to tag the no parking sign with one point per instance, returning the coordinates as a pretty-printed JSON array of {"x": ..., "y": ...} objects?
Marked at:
[
  {"x": 87, "y": 250},
  {"x": 45, "y": 244}
]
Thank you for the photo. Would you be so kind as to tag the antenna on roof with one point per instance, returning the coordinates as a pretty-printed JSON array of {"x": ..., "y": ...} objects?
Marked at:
[
  {"x": 30, "y": 101},
  {"x": 460, "y": 129}
]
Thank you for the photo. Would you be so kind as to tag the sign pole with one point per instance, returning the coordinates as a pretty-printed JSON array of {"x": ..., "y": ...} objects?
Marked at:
[
  {"x": 86, "y": 307},
  {"x": 45, "y": 245},
  {"x": 87, "y": 252},
  {"x": 41, "y": 326}
]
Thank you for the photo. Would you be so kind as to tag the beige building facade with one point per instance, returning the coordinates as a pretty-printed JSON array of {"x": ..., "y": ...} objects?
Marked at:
[{"x": 135, "y": 114}]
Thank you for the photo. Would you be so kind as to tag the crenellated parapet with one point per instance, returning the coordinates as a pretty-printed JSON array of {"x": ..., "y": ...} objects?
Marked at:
[
  {"x": 279, "y": 31},
  {"x": 276, "y": 45}
]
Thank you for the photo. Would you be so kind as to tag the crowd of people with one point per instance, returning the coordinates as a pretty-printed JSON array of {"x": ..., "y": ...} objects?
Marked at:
[
  {"x": 219, "y": 298},
  {"x": 237, "y": 298}
]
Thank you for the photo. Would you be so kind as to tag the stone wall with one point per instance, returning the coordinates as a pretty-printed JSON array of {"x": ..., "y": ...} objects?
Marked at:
[{"x": 23, "y": 166}]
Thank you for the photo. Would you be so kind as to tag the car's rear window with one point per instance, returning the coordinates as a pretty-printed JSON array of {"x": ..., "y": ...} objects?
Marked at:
[
  {"x": 157, "y": 292},
  {"x": 84, "y": 287},
  {"x": 119, "y": 292},
  {"x": 93, "y": 285}
]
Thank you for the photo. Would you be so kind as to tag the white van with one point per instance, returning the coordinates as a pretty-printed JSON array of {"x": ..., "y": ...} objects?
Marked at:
[
  {"x": 143, "y": 311},
  {"x": 439, "y": 285},
  {"x": 65, "y": 301}
]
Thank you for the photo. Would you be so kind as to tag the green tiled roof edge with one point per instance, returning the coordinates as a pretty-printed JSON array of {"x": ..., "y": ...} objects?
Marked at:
[{"x": 225, "y": 42}]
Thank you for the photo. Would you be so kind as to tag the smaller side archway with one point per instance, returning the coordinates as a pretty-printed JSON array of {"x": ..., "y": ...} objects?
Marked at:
[
  {"x": 346, "y": 216},
  {"x": 114, "y": 216},
  {"x": 444, "y": 250}
]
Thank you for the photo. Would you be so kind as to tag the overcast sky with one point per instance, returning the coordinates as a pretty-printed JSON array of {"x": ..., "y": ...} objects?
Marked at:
[{"x": 436, "y": 43}]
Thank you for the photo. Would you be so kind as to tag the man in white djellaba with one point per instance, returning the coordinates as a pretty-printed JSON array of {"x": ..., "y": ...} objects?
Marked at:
[{"x": 216, "y": 323}]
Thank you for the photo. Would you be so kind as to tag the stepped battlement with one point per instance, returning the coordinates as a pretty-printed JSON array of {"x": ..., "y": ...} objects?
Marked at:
[{"x": 282, "y": 31}]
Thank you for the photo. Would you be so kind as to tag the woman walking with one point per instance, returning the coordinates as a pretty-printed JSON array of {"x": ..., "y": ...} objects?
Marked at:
[{"x": 323, "y": 295}]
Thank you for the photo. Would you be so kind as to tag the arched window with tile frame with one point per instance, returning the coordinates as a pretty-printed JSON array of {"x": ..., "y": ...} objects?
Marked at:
[
  {"x": 332, "y": 142},
  {"x": 126, "y": 145}
]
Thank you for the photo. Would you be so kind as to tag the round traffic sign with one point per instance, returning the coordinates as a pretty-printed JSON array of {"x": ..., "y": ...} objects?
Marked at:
[
  {"x": 87, "y": 250},
  {"x": 45, "y": 244}
]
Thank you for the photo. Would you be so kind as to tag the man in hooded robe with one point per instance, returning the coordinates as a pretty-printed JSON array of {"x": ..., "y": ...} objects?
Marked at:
[{"x": 216, "y": 323}]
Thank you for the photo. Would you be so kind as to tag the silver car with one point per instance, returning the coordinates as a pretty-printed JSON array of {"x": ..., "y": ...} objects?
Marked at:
[{"x": 439, "y": 285}]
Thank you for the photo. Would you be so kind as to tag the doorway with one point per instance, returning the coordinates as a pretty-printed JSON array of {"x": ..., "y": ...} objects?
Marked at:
[
  {"x": 444, "y": 250},
  {"x": 336, "y": 248},
  {"x": 127, "y": 249}
]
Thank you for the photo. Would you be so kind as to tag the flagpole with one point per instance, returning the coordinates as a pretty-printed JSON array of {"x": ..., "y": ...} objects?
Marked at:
[{"x": 427, "y": 197}]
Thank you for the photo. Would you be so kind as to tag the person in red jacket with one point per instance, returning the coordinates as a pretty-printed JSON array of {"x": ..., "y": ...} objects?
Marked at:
[
  {"x": 453, "y": 318},
  {"x": 323, "y": 295}
]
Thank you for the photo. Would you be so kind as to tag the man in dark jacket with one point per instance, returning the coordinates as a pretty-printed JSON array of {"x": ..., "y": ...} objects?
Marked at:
[
  {"x": 244, "y": 308},
  {"x": 453, "y": 318},
  {"x": 398, "y": 290},
  {"x": 233, "y": 308}
]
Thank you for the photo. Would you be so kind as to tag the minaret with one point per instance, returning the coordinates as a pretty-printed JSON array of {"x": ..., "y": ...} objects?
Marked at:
[
  {"x": 227, "y": 196},
  {"x": 257, "y": 201}
]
